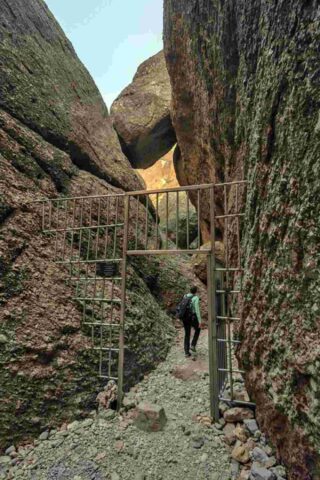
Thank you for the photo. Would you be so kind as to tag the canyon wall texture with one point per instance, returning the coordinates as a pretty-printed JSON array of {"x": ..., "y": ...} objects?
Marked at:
[
  {"x": 56, "y": 138},
  {"x": 246, "y": 95}
]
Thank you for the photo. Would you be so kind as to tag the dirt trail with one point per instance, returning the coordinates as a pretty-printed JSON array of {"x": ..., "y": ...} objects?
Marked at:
[{"x": 109, "y": 446}]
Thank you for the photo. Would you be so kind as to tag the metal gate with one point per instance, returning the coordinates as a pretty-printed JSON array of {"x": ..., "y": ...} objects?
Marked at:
[{"x": 94, "y": 236}]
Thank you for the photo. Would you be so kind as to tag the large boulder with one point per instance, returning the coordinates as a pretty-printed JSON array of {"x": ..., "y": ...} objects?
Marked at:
[
  {"x": 45, "y": 86},
  {"x": 141, "y": 114},
  {"x": 56, "y": 139},
  {"x": 246, "y": 95}
]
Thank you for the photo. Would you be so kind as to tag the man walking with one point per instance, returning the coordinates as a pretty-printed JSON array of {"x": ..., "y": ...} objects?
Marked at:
[{"x": 189, "y": 313}]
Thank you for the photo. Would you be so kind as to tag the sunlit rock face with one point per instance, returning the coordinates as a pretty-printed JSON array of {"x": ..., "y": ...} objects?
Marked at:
[
  {"x": 141, "y": 114},
  {"x": 245, "y": 104}
]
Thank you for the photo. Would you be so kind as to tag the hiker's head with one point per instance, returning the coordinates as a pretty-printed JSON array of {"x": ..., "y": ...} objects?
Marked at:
[{"x": 193, "y": 290}]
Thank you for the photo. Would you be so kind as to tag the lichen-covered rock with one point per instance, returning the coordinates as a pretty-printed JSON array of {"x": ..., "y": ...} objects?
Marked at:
[
  {"x": 246, "y": 95},
  {"x": 141, "y": 114},
  {"x": 56, "y": 139},
  {"x": 46, "y": 87}
]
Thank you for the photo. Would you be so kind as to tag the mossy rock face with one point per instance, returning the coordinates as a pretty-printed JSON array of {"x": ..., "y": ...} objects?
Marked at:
[
  {"x": 246, "y": 96},
  {"x": 46, "y": 87},
  {"x": 56, "y": 140}
]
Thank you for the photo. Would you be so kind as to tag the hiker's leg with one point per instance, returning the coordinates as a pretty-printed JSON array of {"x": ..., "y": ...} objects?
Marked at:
[
  {"x": 197, "y": 331},
  {"x": 187, "y": 331}
]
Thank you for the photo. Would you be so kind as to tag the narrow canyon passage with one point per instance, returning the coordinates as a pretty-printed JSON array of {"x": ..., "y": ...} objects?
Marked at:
[{"x": 111, "y": 446}]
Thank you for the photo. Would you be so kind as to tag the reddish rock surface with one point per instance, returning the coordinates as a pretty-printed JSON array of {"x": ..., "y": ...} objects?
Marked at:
[{"x": 246, "y": 94}]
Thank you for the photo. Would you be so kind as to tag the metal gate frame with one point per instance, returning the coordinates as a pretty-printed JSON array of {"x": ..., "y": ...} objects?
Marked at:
[{"x": 220, "y": 326}]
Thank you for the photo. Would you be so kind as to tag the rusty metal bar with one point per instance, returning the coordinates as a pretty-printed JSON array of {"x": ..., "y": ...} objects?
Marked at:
[
  {"x": 199, "y": 218},
  {"x": 157, "y": 220},
  {"x": 146, "y": 223},
  {"x": 188, "y": 220},
  {"x": 212, "y": 322},
  {"x": 167, "y": 219},
  {"x": 123, "y": 301},
  {"x": 177, "y": 220},
  {"x": 137, "y": 224}
]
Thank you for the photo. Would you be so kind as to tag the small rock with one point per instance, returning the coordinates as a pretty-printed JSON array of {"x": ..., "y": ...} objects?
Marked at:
[
  {"x": 5, "y": 460},
  {"x": 230, "y": 439},
  {"x": 260, "y": 473},
  {"x": 235, "y": 467},
  {"x": 229, "y": 428},
  {"x": 74, "y": 425},
  {"x": 244, "y": 475},
  {"x": 241, "y": 454},
  {"x": 119, "y": 445},
  {"x": 128, "y": 402},
  {"x": 10, "y": 450},
  {"x": 3, "y": 339},
  {"x": 204, "y": 458},
  {"x": 268, "y": 450},
  {"x": 44, "y": 436},
  {"x": 241, "y": 433},
  {"x": 279, "y": 471},
  {"x": 150, "y": 418},
  {"x": 218, "y": 426},
  {"x": 271, "y": 462},
  {"x": 251, "y": 425},
  {"x": 115, "y": 476},
  {"x": 259, "y": 455},
  {"x": 237, "y": 414},
  {"x": 87, "y": 422},
  {"x": 140, "y": 476},
  {"x": 198, "y": 442}
]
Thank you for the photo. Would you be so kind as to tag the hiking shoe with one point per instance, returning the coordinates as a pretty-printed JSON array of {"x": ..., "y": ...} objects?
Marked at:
[
  {"x": 193, "y": 349},
  {"x": 187, "y": 355}
]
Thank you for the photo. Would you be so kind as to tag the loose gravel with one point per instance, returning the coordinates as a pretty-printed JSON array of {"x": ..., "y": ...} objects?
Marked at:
[{"x": 108, "y": 446}]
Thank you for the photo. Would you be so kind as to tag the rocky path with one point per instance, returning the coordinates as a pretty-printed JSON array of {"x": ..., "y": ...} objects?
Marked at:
[{"x": 110, "y": 446}]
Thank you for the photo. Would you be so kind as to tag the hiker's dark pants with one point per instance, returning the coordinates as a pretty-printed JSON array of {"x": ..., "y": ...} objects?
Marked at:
[{"x": 187, "y": 333}]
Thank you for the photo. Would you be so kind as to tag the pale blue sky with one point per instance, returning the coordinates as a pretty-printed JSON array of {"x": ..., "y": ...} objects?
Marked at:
[{"x": 111, "y": 37}]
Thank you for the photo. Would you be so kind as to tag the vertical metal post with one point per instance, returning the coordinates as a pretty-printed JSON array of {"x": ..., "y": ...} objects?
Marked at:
[
  {"x": 123, "y": 300},
  {"x": 212, "y": 320}
]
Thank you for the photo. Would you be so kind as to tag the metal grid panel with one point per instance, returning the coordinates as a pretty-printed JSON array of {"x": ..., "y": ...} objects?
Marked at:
[
  {"x": 93, "y": 236},
  {"x": 87, "y": 235}
]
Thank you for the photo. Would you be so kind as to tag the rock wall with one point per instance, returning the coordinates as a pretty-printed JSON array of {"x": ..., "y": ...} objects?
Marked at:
[
  {"x": 141, "y": 114},
  {"x": 246, "y": 96},
  {"x": 56, "y": 138}
]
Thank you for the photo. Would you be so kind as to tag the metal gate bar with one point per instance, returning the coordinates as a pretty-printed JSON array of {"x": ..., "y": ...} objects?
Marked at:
[{"x": 92, "y": 232}]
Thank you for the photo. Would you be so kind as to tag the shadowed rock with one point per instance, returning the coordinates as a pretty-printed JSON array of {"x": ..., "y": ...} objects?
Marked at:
[
  {"x": 245, "y": 103},
  {"x": 141, "y": 114}
]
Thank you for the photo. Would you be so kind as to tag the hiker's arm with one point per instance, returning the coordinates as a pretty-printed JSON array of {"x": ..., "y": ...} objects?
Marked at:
[{"x": 197, "y": 309}]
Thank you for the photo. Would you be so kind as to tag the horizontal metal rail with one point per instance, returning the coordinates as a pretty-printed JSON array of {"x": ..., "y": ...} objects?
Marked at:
[
  {"x": 106, "y": 349},
  {"x": 226, "y": 340},
  {"x": 98, "y": 260},
  {"x": 233, "y": 370},
  {"x": 142, "y": 192},
  {"x": 203, "y": 186},
  {"x": 227, "y": 318},
  {"x": 167, "y": 252},
  {"x": 237, "y": 402},
  {"x": 95, "y": 324},
  {"x": 95, "y": 279},
  {"x": 230, "y": 215},
  {"x": 83, "y": 227},
  {"x": 97, "y": 299}
]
